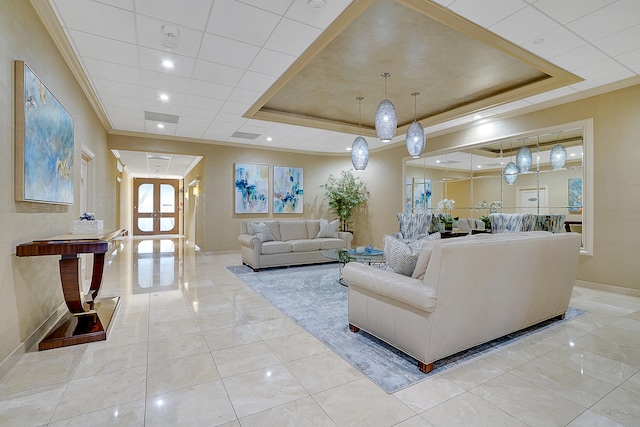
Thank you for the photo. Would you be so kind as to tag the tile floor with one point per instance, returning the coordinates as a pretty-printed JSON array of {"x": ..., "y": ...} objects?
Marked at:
[{"x": 192, "y": 345}]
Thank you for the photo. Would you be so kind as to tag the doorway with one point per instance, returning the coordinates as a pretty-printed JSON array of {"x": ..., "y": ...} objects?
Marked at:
[
  {"x": 155, "y": 206},
  {"x": 533, "y": 201}
]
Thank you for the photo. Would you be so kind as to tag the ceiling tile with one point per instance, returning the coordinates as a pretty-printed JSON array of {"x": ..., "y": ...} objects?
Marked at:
[
  {"x": 206, "y": 105},
  {"x": 621, "y": 42},
  {"x": 319, "y": 18},
  {"x": 245, "y": 96},
  {"x": 230, "y": 118},
  {"x": 609, "y": 78},
  {"x": 256, "y": 81},
  {"x": 125, "y": 112},
  {"x": 254, "y": 27},
  {"x": 153, "y": 95},
  {"x": 608, "y": 20},
  {"x": 104, "y": 49},
  {"x": 566, "y": 11},
  {"x": 122, "y": 4},
  {"x": 120, "y": 101},
  {"x": 487, "y": 12},
  {"x": 278, "y": 7},
  {"x": 227, "y": 52},
  {"x": 217, "y": 73},
  {"x": 161, "y": 108},
  {"x": 151, "y": 59},
  {"x": 152, "y": 127},
  {"x": 554, "y": 43},
  {"x": 281, "y": 40},
  {"x": 524, "y": 25},
  {"x": 271, "y": 62},
  {"x": 235, "y": 108},
  {"x": 117, "y": 88},
  {"x": 191, "y": 131},
  {"x": 149, "y": 32},
  {"x": 600, "y": 69},
  {"x": 164, "y": 81},
  {"x": 194, "y": 16},
  {"x": 97, "y": 18},
  {"x": 129, "y": 124},
  {"x": 631, "y": 60},
  {"x": 111, "y": 71},
  {"x": 579, "y": 57},
  {"x": 209, "y": 90}
]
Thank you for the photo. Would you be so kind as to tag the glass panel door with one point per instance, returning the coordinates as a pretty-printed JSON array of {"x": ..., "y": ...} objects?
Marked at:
[{"x": 155, "y": 209}]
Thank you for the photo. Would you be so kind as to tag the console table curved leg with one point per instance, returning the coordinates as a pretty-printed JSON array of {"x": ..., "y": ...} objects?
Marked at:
[{"x": 71, "y": 283}]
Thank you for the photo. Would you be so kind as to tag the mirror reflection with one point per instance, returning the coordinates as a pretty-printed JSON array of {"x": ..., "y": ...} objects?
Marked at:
[{"x": 538, "y": 174}]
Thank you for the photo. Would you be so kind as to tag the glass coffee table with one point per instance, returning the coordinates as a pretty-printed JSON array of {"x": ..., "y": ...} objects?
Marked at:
[{"x": 373, "y": 257}]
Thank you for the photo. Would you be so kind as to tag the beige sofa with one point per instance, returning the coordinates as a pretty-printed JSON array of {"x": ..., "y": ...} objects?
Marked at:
[
  {"x": 295, "y": 243},
  {"x": 474, "y": 289}
]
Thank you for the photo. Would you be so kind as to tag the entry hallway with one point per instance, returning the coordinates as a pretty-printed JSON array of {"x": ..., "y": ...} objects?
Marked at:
[{"x": 193, "y": 346}]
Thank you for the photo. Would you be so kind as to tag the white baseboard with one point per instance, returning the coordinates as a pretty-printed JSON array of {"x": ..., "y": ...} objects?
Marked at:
[
  {"x": 33, "y": 339},
  {"x": 222, "y": 252},
  {"x": 608, "y": 288}
]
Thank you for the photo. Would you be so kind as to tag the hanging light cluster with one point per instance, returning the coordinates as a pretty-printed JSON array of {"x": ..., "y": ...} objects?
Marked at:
[
  {"x": 386, "y": 120},
  {"x": 523, "y": 158},
  {"x": 510, "y": 171},
  {"x": 558, "y": 156},
  {"x": 415, "y": 134},
  {"x": 360, "y": 148}
]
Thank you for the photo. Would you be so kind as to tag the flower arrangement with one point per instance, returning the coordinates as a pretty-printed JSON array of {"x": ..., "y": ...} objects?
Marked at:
[
  {"x": 445, "y": 206},
  {"x": 491, "y": 207}
]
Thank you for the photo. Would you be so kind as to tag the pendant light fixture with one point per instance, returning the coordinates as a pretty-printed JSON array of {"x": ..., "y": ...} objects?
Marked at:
[
  {"x": 415, "y": 134},
  {"x": 523, "y": 158},
  {"x": 558, "y": 156},
  {"x": 386, "y": 119},
  {"x": 360, "y": 148},
  {"x": 510, "y": 172}
]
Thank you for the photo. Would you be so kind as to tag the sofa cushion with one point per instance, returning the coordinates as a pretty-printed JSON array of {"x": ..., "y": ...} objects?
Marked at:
[
  {"x": 304, "y": 245},
  {"x": 425, "y": 255},
  {"x": 313, "y": 227},
  {"x": 328, "y": 229},
  {"x": 293, "y": 230},
  {"x": 276, "y": 247},
  {"x": 329, "y": 243},
  {"x": 262, "y": 231},
  {"x": 401, "y": 256}
]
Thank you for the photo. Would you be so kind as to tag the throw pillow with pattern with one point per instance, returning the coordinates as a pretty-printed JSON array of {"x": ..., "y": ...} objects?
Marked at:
[
  {"x": 328, "y": 229},
  {"x": 401, "y": 256},
  {"x": 262, "y": 231}
]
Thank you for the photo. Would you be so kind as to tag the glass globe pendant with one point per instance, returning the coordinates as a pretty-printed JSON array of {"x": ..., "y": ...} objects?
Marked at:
[
  {"x": 415, "y": 134},
  {"x": 523, "y": 159},
  {"x": 558, "y": 157},
  {"x": 360, "y": 148},
  {"x": 386, "y": 120},
  {"x": 510, "y": 173}
]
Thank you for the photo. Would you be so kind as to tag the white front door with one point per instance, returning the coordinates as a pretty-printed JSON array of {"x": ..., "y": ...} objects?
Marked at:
[{"x": 532, "y": 201}]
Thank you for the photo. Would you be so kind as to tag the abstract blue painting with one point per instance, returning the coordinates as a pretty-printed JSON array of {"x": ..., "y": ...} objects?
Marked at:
[
  {"x": 418, "y": 195},
  {"x": 44, "y": 142},
  {"x": 251, "y": 188},
  {"x": 575, "y": 195},
  {"x": 288, "y": 192}
]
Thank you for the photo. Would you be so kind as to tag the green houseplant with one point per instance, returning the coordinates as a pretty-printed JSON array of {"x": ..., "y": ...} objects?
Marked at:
[{"x": 345, "y": 193}]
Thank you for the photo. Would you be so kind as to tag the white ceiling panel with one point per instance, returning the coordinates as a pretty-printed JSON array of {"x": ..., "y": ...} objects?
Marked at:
[
  {"x": 195, "y": 15},
  {"x": 256, "y": 81},
  {"x": 319, "y": 18},
  {"x": 245, "y": 96},
  {"x": 152, "y": 127},
  {"x": 150, "y": 34},
  {"x": 209, "y": 90},
  {"x": 227, "y": 52},
  {"x": 566, "y": 11},
  {"x": 111, "y": 87},
  {"x": 487, "y": 13},
  {"x": 281, "y": 39},
  {"x": 554, "y": 43},
  {"x": 104, "y": 49},
  {"x": 217, "y": 73},
  {"x": 125, "y": 112},
  {"x": 127, "y": 124},
  {"x": 609, "y": 20},
  {"x": 154, "y": 95},
  {"x": 111, "y": 71},
  {"x": 97, "y": 18},
  {"x": 229, "y": 119},
  {"x": 271, "y": 62},
  {"x": 121, "y": 101},
  {"x": 164, "y": 81},
  {"x": 205, "y": 105},
  {"x": 254, "y": 28},
  {"x": 621, "y": 42},
  {"x": 122, "y": 4},
  {"x": 151, "y": 59},
  {"x": 631, "y": 60},
  {"x": 579, "y": 57},
  {"x": 524, "y": 25},
  {"x": 235, "y": 107}
]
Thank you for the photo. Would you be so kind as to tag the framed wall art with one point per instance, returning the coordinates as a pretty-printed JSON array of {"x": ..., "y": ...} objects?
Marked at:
[
  {"x": 44, "y": 145},
  {"x": 288, "y": 191},
  {"x": 575, "y": 195},
  {"x": 251, "y": 188}
]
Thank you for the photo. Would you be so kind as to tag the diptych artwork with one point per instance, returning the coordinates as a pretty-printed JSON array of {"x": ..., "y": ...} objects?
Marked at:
[
  {"x": 418, "y": 195},
  {"x": 251, "y": 188},
  {"x": 288, "y": 192},
  {"x": 575, "y": 195},
  {"x": 44, "y": 143}
]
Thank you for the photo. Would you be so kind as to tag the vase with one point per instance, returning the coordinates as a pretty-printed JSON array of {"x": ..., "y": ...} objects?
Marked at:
[{"x": 448, "y": 226}]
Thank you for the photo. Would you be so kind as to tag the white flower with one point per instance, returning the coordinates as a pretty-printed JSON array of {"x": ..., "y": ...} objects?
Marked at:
[{"x": 446, "y": 204}]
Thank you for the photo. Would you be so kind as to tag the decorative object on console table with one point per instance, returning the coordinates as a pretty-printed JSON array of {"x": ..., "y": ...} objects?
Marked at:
[
  {"x": 43, "y": 142},
  {"x": 90, "y": 317},
  {"x": 288, "y": 192},
  {"x": 87, "y": 224},
  {"x": 345, "y": 194},
  {"x": 251, "y": 188}
]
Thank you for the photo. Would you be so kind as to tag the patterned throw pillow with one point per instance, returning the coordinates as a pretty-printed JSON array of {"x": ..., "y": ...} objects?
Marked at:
[
  {"x": 262, "y": 231},
  {"x": 401, "y": 256},
  {"x": 328, "y": 229}
]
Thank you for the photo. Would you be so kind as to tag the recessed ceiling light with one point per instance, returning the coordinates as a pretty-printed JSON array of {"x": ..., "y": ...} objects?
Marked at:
[
  {"x": 348, "y": 148},
  {"x": 477, "y": 117},
  {"x": 437, "y": 161},
  {"x": 479, "y": 166},
  {"x": 167, "y": 63},
  {"x": 538, "y": 40},
  {"x": 316, "y": 4},
  {"x": 573, "y": 154},
  {"x": 164, "y": 97},
  {"x": 160, "y": 125},
  {"x": 269, "y": 139}
]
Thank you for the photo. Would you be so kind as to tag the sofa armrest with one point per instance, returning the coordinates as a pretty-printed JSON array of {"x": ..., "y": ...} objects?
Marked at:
[
  {"x": 250, "y": 241},
  {"x": 390, "y": 285},
  {"x": 347, "y": 237}
]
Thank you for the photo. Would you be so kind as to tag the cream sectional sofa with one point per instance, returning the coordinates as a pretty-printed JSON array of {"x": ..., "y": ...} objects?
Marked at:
[
  {"x": 465, "y": 292},
  {"x": 295, "y": 243}
]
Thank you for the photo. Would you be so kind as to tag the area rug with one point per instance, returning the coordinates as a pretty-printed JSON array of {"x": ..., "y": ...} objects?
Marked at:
[{"x": 313, "y": 298}]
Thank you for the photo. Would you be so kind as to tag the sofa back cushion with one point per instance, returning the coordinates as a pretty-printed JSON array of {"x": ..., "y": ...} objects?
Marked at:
[
  {"x": 262, "y": 231},
  {"x": 293, "y": 230},
  {"x": 313, "y": 228}
]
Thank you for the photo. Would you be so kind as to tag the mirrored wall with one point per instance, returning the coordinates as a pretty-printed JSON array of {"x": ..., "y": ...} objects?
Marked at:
[{"x": 550, "y": 176}]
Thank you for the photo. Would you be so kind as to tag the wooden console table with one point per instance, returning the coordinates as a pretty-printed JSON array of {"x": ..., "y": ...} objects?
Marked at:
[{"x": 89, "y": 316}]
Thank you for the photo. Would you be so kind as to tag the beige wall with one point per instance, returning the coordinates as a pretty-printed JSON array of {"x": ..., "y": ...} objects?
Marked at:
[{"x": 30, "y": 287}]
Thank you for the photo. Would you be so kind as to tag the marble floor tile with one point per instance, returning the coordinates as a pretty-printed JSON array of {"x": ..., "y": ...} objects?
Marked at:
[
  {"x": 524, "y": 400},
  {"x": 237, "y": 360},
  {"x": 175, "y": 374},
  {"x": 31, "y": 408},
  {"x": 621, "y": 405},
  {"x": 262, "y": 314},
  {"x": 619, "y": 351},
  {"x": 200, "y": 405},
  {"x": 276, "y": 328},
  {"x": 362, "y": 403},
  {"x": 633, "y": 383},
  {"x": 111, "y": 359},
  {"x": 296, "y": 346},
  {"x": 40, "y": 373},
  {"x": 474, "y": 373},
  {"x": 226, "y": 319},
  {"x": 262, "y": 389},
  {"x": 221, "y": 338},
  {"x": 416, "y": 421},
  {"x": 323, "y": 372},
  {"x": 127, "y": 414},
  {"x": 623, "y": 330},
  {"x": 304, "y": 412},
  {"x": 171, "y": 328},
  {"x": 176, "y": 347},
  {"x": 591, "y": 419},
  {"x": 429, "y": 393},
  {"x": 114, "y": 388},
  {"x": 467, "y": 409}
]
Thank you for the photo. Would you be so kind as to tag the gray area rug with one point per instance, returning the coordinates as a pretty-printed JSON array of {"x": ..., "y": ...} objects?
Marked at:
[{"x": 313, "y": 298}]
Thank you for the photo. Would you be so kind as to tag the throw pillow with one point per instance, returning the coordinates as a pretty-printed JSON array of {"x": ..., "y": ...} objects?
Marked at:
[
  {"x": 401, "y": 256},
  {"x": 425, "y": 255},
  {"x": 262, "y": 231},
  {"x": 328, "y": 229}
]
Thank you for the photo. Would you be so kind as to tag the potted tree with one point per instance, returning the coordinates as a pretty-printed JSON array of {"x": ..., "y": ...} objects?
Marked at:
[{"x": 345, "y": 193}]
